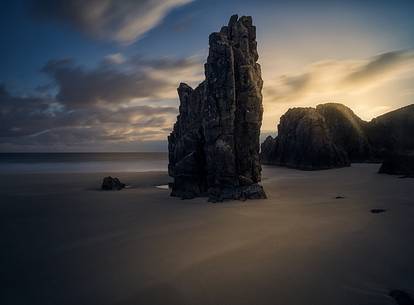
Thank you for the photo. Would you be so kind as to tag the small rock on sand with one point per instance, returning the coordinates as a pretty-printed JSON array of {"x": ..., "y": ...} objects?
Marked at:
[
  {"x": 376, "y": 211},
  {"x": 110, "y": 183},
  {"x": 401, "y": 297}
]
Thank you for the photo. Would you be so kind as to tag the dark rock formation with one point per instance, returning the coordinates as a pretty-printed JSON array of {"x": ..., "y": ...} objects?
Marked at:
[
  {"x": 214, "y": 146},
  {"x": 392, "y": 132},
  {"x": 398, "y": 164},
  {"x": 333, "y": 136},
  {"x": 401, "y": 297},
  {"x": 187, "y": 162},
  {"x": 347, "y": 131},
  {"x": 377, "y": 211},
  {"x": 110, "y": 183},
  {"x": 304, "y": 141}
]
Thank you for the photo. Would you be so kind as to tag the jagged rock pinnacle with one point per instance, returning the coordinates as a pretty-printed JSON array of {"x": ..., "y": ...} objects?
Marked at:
[{"x": 214, "y": 146}]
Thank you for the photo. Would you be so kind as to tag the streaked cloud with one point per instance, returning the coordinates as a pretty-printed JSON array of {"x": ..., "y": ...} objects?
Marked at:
[
  {"x": 369, "y": 86},
  {"x": 116, "y": 58},
  {"x": 122, "y": 103},
  {"x": 330, "y": 77},
  {"x": 123, "y": 21},
  {"x": 383, "y": 67},
  {"x": 119, "y": 83},
  {"x": 34, "y": 117}
]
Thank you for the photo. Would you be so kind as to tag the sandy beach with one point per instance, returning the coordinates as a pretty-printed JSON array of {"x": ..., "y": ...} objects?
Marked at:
[{"x": 64, "y": 241}]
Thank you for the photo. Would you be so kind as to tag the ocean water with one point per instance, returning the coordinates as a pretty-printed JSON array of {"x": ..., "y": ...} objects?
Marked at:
[{"x": 82, "y": 162}]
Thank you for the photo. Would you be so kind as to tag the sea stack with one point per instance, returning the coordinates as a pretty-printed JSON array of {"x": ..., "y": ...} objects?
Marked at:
[
  {"x": 398, "y": 163},
  {"x": 304, "y": 142},
  {"x": 214, "y": 145},
  {"x": 328, "y": 136},
  {"x": 332, "y": 135},
  {"x": 392, "y": 132}
]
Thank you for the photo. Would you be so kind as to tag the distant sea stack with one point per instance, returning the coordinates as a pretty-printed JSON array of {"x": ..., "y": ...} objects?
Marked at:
[
  {"x": 398, "y": 164},
  {"x": 348, "y": 131},
  {"x": 331, "y": 135},
  {"x": 214, "y": 145},
  {"x": 393, "y": 132},
  {"x": 305, "y": 141}
]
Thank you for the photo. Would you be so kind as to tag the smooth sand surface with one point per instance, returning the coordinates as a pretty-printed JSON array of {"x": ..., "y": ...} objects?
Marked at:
[{"x": 63, "y": 241}]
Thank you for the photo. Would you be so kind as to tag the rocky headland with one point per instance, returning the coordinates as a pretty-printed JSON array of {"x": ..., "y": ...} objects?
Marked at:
[{"x": 332, "y": 135}]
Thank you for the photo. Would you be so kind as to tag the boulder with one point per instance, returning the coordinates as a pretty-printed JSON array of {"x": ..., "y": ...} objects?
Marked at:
[
  {"x": 378, "y": 211},
  {"x": 110, "y": 183},
  {"x": 214, "y": 145}
]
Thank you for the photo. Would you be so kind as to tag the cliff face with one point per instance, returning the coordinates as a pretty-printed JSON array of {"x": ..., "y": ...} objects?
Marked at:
[
  {"x": 392, "y": 132},
  {"x": 398, "y": 164},
  {"x": 333, "y": 136},
  {"x": 186, "y": 144},
  {"x": 214, "y": 146},
  {"x": 348, "y": 131}
]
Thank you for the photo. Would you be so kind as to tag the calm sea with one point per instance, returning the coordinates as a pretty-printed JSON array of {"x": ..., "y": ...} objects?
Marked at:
[{"x": 82, "y": 162}]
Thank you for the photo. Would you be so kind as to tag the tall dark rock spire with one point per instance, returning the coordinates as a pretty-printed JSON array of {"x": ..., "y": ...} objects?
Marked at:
[{"x": 214, "y": 146}]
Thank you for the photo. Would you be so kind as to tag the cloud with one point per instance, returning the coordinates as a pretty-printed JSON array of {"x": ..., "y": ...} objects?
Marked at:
[
  {"x": 117, "y": 83},
  {"x": 330, "y": 78},
  {"x": 120, "y": 103},
  {"x": 116, "y": 58},
  {"x": 381, "y": 68},
  {"x": 79, "y": 86},
  {"x": 123, "y": 21},
  {"x": 33, "y": 117}
]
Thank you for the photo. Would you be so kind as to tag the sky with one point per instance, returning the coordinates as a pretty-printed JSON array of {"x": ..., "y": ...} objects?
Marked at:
[{"x": 101, "y": 75}]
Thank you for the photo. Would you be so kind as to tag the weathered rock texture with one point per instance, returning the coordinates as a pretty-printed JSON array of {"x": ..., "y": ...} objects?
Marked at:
[
  {"x": 214, "y": 146},
  {"x": 333, "y": 136},
  {"x": 304, "y": 141},
  {"x": 347, "y": 131},
  {"x": 392, "y": 132}
]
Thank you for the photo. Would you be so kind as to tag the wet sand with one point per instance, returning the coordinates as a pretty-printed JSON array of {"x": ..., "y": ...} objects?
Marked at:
[{"x": 65, "y": 242}]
